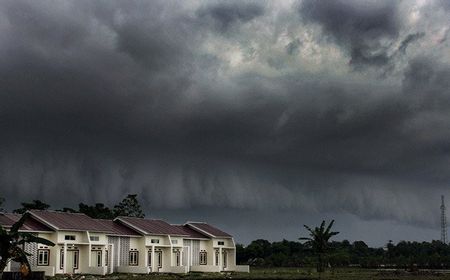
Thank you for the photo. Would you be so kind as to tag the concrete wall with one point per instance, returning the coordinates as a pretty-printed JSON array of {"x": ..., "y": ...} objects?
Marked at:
[
  {"x": 133, "y": 269},
  {"x": 49, "y": 270},
  {"x": 239, "y": 268},
  {"x": 179, "y": 269},
  {"x": 97, "y": 270},
  {"x": 205, "y": 268}
]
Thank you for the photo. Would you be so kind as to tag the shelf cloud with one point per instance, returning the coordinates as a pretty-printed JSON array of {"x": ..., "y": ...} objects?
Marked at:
[{"x": 321, "y": 108}]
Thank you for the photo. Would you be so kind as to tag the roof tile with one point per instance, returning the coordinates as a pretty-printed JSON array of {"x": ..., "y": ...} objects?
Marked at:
[
  {"x": 209, "y": 229},
  {"x": 70, "y": 221},
  {"x": 148, "y": 226},
  {"x": 190, "y": 232}
]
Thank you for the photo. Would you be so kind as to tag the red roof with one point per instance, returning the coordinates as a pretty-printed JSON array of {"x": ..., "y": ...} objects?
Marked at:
[
  {"x": 69, "y": 221},
  {"x": 117, "y": 228},
  {"x": 190, "y": 232},
  {"x": 8, "y": 219},
  {"x": 208, "y": 229},
  {"x": 148, "y": 226}
]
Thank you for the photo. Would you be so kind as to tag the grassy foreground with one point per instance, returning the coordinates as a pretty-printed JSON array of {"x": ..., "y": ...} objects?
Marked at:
[{"x": 283, "y": 273}]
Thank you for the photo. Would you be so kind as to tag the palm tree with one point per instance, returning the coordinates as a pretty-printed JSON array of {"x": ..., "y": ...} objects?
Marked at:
[
  {"x": 12, "y": 242},
  {"x": 318, "y": 241}
]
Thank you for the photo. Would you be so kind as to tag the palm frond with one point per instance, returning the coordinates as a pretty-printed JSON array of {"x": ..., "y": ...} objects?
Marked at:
[
  {"x": 29, "y": 238},
  {"x": 329, "y": 227},
  {"x": 16, "y": 226}
]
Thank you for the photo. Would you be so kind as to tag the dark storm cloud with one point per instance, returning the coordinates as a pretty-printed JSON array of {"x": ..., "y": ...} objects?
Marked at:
[
  {"x": 293, "y": 47},
  {"x": 358, "y": 26},
  {"x": 411, "y": 38},
  {"x": 225, "y": 14},
  {"x": 100, "y": 99}
]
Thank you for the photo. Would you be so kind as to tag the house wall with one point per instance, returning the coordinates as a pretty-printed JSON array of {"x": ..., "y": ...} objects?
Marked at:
[
  {"x": 122, "y": 246},
  {"x": 80, "y": 237},
  {"x": 103, "y": 238},
  {"x": 163, "y": 240}
]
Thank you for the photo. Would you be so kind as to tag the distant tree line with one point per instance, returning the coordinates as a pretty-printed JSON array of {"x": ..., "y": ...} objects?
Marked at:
[
  {"x": 404, "y": 254},
  {"x": 129, "y": 206}
]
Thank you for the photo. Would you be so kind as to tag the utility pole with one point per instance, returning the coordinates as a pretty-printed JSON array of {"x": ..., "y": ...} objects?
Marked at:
[{"x": 443, "y": 222}]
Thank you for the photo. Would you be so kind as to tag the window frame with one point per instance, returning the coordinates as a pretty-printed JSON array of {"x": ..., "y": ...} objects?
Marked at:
[
  {"x": 159, "y": 258},
  {"x": 70, "y": 237},
  {"x": 94, "y": 238},
  {"x": 203, "y": 257},
  {"x": 130, "y": 258},
  {"x": 39, "y": 251}
]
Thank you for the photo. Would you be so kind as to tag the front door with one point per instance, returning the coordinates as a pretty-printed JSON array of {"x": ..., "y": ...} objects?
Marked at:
[{"x": 72, "y": 260}]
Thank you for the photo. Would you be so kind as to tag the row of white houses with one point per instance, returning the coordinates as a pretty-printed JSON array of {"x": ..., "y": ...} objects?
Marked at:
[{"x": 125, "y": 245}]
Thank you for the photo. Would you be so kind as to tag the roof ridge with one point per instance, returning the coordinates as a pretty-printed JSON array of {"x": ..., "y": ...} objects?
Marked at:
[
  {"x": 58, "y": 212},
  {"x": 146, "y": 219}
]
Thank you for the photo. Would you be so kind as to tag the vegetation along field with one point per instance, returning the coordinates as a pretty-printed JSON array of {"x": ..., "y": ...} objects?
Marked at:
[{"x": 287, "y": 273}]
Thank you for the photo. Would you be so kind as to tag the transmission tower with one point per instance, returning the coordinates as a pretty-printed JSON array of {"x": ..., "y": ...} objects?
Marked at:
[{"x": 443, "y": 222}]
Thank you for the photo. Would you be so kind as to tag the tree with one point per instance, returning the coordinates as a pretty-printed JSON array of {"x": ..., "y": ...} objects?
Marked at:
[
  {"x": 319, "y": 242},
  {"x": 12, "y": 242},
  {"x": 1, "y": 203},
  {"x": 129, "y": 207},
  {"x": 98, "y": 211},
  {"x": 35, "y": 204}
]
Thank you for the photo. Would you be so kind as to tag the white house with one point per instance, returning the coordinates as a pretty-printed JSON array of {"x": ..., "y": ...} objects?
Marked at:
[{"x": 128, "y": 245}]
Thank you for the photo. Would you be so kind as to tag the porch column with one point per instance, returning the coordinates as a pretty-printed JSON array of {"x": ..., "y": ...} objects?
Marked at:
[
  {"x": 118, "y": 252},
  {"x": 146, "y": 257},
  {"x": 171, "y": 251},
  {"x": 153, "y": 259},
  {"x": 89, "y": 249},
  {"x": 220, "y": 259},
  {"x": 190, "y": 254},
  {"x": 181, "y": 256},
  {"x": 104, "y": 255},
  {"x": 111, "y": 258},
  {"x": 65, "y": 258},
  {"x": 89, "y": 255}
]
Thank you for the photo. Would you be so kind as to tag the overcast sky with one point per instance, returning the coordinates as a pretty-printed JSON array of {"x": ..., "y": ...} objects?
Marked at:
[{"x": 257, "y": 116}]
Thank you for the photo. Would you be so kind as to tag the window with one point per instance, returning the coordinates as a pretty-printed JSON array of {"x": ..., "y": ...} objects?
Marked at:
[
  {"x": 174, "y": 241},
  {"x": 94, "y": 238},
  {"x": 217, "y": 257},
  {"x": 69, "y": 237},
  {"x": 75, "y": 259},
  {"x": 203, "y": 257},
  {"x": 155, "y": 241},
  {"x": 106, "y": 257},
  {"x": 220, "y": 243},
  {"x": 98, "y": 257},
  {"x": 43, "y": 257},
  {"x": 61, "y": 259},
  {"x": 159, "y": 258},
  {"x": 134, "y": 258},
  {"x": 225, "y": 257}
]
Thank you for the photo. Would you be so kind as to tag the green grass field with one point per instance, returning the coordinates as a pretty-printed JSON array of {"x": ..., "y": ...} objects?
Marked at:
[{"x": 285, "y": 273}]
